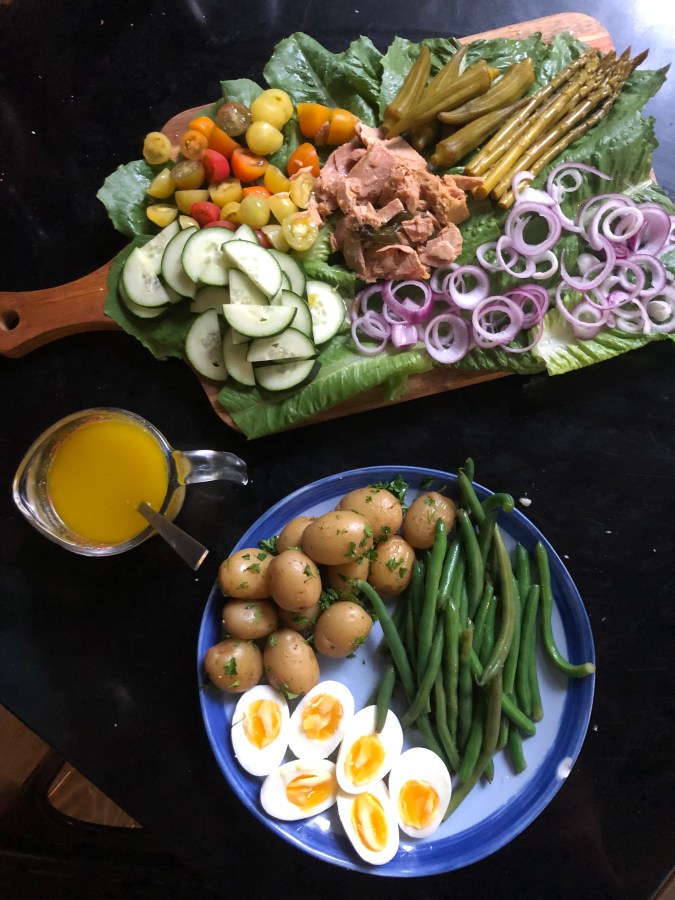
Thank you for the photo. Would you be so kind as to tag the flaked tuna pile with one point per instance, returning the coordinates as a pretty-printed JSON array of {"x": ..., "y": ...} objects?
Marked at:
[{"x": 399, "y": 219}]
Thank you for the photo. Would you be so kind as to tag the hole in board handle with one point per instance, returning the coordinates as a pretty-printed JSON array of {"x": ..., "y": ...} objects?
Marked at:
[{"x": 9, "y": 319}]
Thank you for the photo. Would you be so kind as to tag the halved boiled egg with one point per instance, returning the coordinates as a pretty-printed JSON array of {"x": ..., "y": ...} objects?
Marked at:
[
  {"x": 366, "y": 756},
  {"x": 369, "y": 820},
  {"x": 260, "y": 729},
  {"x": 420, "y": 789},
  {"x": 319, "y": 721},
  {"x": 300, "y": 788}
]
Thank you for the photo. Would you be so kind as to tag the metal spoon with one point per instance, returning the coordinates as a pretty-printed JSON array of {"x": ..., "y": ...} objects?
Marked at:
[{"x": 185, "y": 546}]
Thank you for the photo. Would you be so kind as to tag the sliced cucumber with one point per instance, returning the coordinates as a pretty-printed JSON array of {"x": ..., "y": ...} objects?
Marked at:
[
  {"x": 235, "y": 361},
  {"x": 283, "y": 376},
  {"x": 292, "y": 269},
  {"x": 154, "y": 249},
  {"x": 303, "y": 317},
  {"x": 142, "y": 284},
  {"x": 327, "y": 308},
  {"x": 246, "y": 233},
  {"x": 256, "y": 262},
  {"x": 173, "y": 271},
  {"x": 289, "y": 345},
  {"x": 204, "y": 346},
  {"x": 143, "y": 312},
  {"x": 258, "y": 321},
  {"x": 239, "y": 338},
  {"x": 203, "y": 257},
  {"x": 209, "y": 297},
  {"x": 242, "y": 289}
]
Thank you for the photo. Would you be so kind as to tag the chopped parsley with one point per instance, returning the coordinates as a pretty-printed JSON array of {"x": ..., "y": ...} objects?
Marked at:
[
  {"x": 269, "y": 545},
  {"x": 397, "y": 487},
  {"x": 230, "y": 667}
]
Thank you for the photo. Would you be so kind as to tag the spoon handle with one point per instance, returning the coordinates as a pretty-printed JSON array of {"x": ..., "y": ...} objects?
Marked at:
[{"x": 185, "y": 546}]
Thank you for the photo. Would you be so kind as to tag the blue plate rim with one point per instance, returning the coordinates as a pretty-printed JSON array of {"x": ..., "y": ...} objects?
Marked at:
[{"x": 506, "y": 822}]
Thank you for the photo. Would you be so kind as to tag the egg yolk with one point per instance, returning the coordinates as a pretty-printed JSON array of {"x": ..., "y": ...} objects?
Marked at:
[
  {"x": 365, "y": 757},
  {"x": 370, "y": 821},
  {"x": 309, "y": 789},
  {"x": 262, "y": 723},
  {"x": 321, "y": 717},
  {"x": 418, "y": 803}
]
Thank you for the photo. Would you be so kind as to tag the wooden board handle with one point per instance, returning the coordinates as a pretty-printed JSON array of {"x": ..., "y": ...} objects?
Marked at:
[{"x": 29, "y": 319}]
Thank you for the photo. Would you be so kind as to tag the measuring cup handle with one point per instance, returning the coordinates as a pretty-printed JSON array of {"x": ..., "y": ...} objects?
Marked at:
[{"x": 195, "y": 466}]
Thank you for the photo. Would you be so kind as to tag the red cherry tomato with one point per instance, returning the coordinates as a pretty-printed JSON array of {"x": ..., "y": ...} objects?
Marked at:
[
  {"x": 263, "y": 240},
  {"x": 216, "y": 166},
  {"x": 222, "y": 223},
  {"x": 205, "y": 212}
]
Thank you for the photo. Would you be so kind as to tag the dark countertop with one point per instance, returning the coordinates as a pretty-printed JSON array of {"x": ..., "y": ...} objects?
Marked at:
[{"x": 98, "y": 657}]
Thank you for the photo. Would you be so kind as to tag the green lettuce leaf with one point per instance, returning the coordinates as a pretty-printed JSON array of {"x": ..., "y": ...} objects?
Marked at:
[
  {"x": 123, "y": 195},
  {"x": 240, "y": 90}
]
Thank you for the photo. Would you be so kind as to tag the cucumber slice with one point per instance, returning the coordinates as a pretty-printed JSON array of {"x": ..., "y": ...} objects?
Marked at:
[
  {"x": 239, "y": 338},
  {"x": 246, "y": 233},
  {"x": 242, "y": 290},
  {"x": 204, "y": 346},
  {"x": 303, "y": 317},
  {"x": 327, "y": 308},
  {"x": 140, "y": 277},
  {"x": 203, "y": 257},
  {"x": 288, "y": 345},
  {"x": 256, "y": 262},
  {"x": 173, "y": 271},
  {"x": 143, "y": 312},
  {"x": 209, "y": 297},
  {"x": 235, "y": 360},
  {"x": 283, "y": 376},
  {"x": 258, "y": 321},
  {"x": 292, "y": 269},
  {"x": 153, "y": 251}
]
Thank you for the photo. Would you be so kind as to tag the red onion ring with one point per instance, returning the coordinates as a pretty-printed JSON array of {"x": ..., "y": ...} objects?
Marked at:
[
  {"x": 454, "y": 284},
  {"x": 487, "y": 312},
  {"x": 451, "y": 345},
  {"x": 515, "y": 226},
  {"x": 407, "y": 309},
  {"x": 373, "y": 326}
]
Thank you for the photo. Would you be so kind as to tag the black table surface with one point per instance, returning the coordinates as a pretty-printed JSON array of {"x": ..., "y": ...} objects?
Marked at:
[{"x": 98, "y": 656}]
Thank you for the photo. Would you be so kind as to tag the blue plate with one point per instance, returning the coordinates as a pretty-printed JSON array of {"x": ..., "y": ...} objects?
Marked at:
[{"x": 493, "y": 814}]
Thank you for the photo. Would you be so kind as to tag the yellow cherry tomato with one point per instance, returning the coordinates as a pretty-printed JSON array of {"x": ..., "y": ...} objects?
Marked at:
[
  {"x": 185, "y": 199},
  {"x": 301, "y": 189},
  {"x": 282, "y": 206},
  {"x": 188, "y": 175},
  {"x": 254, "y": 210},
  {"x": 161, "y": 214},
  {"x": 275, "y": 235},
  {"x": 273, "y": 106},
  {"x": 162, "y": 185},
  {"x": 227, "y": 191},
  {"x": 300, "y": 230},
  {"x": 263, "y": 138},
  {"x": 156, "y": 148},
  {"x": 230, "y": 212},
  {"x": 275, "y": 181}
]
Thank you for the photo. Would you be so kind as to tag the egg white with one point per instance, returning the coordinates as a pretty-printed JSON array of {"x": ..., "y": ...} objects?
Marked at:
[
  {"x": 255, "y": 760},
  {"x": 391, "y": 737},
  {"x": 274, "y": 799},
  {"x": 421, "y": 764},
  {"x": 306, "y": 747},
  {"x": 345, "y": 803}
]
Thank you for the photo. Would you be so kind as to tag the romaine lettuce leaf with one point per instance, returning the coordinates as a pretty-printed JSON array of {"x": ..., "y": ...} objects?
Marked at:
[{"x": 123, "y": 195}]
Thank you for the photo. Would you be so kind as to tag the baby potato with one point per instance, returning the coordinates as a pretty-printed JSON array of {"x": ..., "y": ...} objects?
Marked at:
[
  {"x": 341, "y": 578},
  {"x": 419, "y": 524},
  {"x": 234, "y": 666},
  {"x": 391, "y": 566},
  {"x": 245, "y": 574},
  {"x": 337, "y": 536},
  {"x": 380, "y": 507},
  {"x": 302, "y": 620},
  {"x": 342, "y": 628},
  {"x": 290, "y": 663},
  {"x": 294, "y": 580},
  {"x": 249, "y": 619},
  {"x": 291, "y": 534}
]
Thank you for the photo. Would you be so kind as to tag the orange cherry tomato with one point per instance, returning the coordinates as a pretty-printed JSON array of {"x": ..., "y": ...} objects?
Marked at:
[
  {"x": 311, "y": 116},
  {"x": 304, "y": 157},
  {"x": 222, "y": 142},
  {"x": 342, "y": 127},
  {"x": 247, "y": 166},
  {"x": 203, "y": 124},
  {"x": 193, "y": 144},
  {"x": 258, "y": 189}
]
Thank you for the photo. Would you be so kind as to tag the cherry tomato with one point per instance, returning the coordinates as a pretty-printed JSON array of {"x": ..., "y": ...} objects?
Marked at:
[
  {"x": 193, "y": 144},
  {"x": 186, "y": 199},
  {"x": 203, "y": 124},
  {"x": 162, "y": 185},
  {"x": 233, "y": 118},
  {"x": 230, "y": 212},
  {"x": 264, "y": 138},
  {"x": 301, "y": 189},
  {"x": 275, "y": 180},
  {"x": 311, "y": 117},
  {"x": 342, "y": 127},
  {"x": 222, "y": 142},
  {"x": 273, "y": 106},
  {"x": 275, "y": 237},
  {"x": 259, "y": 189},
  {"x": 161, "y": 214},
  {"x": 204, "y": 212},
  {"x": 247, "y": 166},
  {"x": 254, "y": 210},
  {"x": 282, "y": 206},
  {"x": 216, "y": 166},
  {"x": 188, "y": 174},
  {"x": 222, "y": 223},
  {"x": 304, "y": 157},
  {"x": 156, "y": 148},
  {"x": 228, "y": 191},
  {"x": 300, "y": 230}
]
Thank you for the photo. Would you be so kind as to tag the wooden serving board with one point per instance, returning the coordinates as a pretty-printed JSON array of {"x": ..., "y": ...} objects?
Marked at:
[{"x": 30, "y": 319}]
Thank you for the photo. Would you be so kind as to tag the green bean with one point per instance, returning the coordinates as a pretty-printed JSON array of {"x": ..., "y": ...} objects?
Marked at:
[
  {"x": 510, "y": 709},
  {"x": 516, "y": 754},
  {"x": 416, "y": 589},
  {"x": 497, "y": 502},
  {"x": 503, "y": 640},
  {"x": 537, "y": 711},
  {"x": 523, "y": 572},
  {"x": 488, "y": 637},
  {"x": 411, "y": 636},
  {"x": 470, "y": 501},
  {"x": 472, "y": 749},
  {"x": 424, "y": 727},
  {"x": 465, "y": 688},
  {"x": 450, "y": 668},
  {"x": 469, "y": 468},
  {"x": 426, "y": 682},
  {"x": 491, "y": 733},
  {"x": 450, "y": 562},
  {"x": 514, "y": 651},
  {"x": 464, "y": 620},
  {"x": 431, "y": 582},
  {"x": 489, "y": 772},
  {"x": 384, "y": 696},
  {"x": 392, "y": 637},
  {"x": 546, "y": 595},
  {"x": 503, "y": 738},
  {"x": 528, "y": 656},
  {"x": 475, "y": 567},
  {"x": 483, "y": 610},
  {"x": 485, "y": 534},
  {"x": 440, "y": 709}
]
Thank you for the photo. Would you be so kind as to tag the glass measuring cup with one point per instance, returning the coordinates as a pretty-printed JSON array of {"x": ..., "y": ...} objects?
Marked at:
[{"x": 33, "y": 485}]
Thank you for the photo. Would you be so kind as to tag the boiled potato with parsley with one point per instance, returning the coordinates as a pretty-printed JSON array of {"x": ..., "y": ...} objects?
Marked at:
[
  {"x": 249, "y": 619},
  {"x": 234, "y": 665},
  {"x": 337, "y": 536},
  {"x": 341, "y": 578},
  {"x": 290, "y": 663},
  {"x": 379, "y": 506},
  {"x": 341, "y": 629},
  {"x": 245, "y": 574},
  {"x": 391, "y": 566},
  {"x": 291, "y": 534},
  {"x": 302, "y": 620},
  {"x": 294, "y": 580},
  {"x": 419, "y": 524}
]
